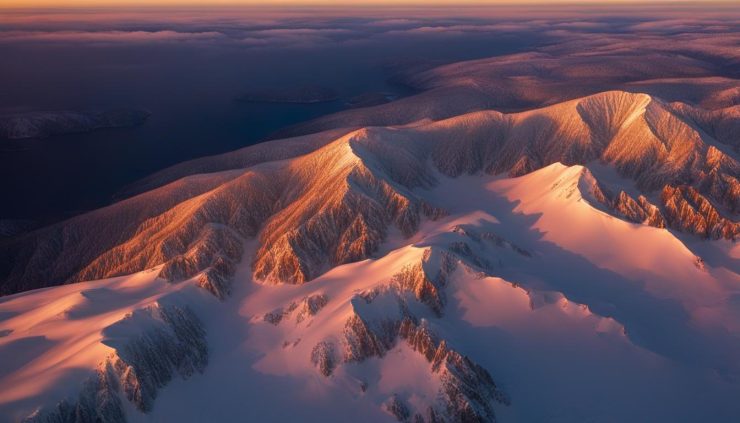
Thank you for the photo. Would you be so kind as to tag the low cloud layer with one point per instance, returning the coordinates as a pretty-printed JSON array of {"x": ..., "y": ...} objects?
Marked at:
[{"x": 269, "y": 29}]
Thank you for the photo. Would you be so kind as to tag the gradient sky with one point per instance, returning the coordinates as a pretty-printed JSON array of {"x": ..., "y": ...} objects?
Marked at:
[{"x": 98, "y": 3}]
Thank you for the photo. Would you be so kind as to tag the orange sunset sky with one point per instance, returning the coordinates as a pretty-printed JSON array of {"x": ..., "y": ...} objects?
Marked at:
[{"x": 88, "y": 3}]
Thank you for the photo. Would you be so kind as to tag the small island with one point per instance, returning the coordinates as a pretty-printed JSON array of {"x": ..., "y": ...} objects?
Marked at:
[
  {"x": 48, "y": 123},
  {"x": 12, "y": 227},
  {"x": 370, "y": 99},
  {"x": 307, "y": 94}
]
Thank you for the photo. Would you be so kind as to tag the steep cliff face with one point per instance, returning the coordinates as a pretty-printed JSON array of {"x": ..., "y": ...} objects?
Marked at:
[
  {"x": 645, "y": 139},
  {"x": 334, "y": 199},
  {"x": 468, "y": 391},
  {"x": 173, "y": 344},
  {"x": 638, "y": 211},
  {"x": 687, "y": 210},
  {"x": 302, "y": 310},
  {"x": 397, "y": 311},
  {"x": 637, "y": 134},
  {"x": 55, "y": 255},
  {"x": 681, "y": 208},
  {"x": 338, "y": 209},
  {"x": 191, "y": 236}
]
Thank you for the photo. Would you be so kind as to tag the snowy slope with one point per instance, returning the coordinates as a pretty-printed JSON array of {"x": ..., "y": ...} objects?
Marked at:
[
  {"x": 527, "y": 278},
  {"x": 337, "y": 203},
  {"x": 548, "y": 236},
  {"x": 60, "y": 346}
]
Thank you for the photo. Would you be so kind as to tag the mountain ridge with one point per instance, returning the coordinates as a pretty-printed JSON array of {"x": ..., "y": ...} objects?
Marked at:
[
  {"x": 418, "y": 304},
  {"x": 366, "y": 179}
]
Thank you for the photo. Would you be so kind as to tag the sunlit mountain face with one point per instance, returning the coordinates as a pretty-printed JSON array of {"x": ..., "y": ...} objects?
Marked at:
[{"x": 415, "y": 213}]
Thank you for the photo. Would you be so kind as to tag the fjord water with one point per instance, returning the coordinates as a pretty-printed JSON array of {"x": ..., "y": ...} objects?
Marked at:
[{"x": 190, "y": 90}]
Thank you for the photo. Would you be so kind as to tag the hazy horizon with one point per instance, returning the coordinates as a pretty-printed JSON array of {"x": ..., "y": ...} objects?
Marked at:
[
  {"x": 174, "y": 60},
  {"x": 26, "y": 4},
  {"x": 376, "y": 212}
]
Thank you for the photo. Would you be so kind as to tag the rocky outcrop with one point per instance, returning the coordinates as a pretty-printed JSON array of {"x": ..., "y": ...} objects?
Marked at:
[
  {"x": 202, "y": 236},
  {"x": 723, "y": 188},
  {"x": 216, "y": 279},
  {"x": 468, "y": 390},
  {"x": 214, "y": 242},
  {"x": 681, "y": 208},
  {"x": 276, "y": 316},
  {"x": 427, "y": 290},
  {"x": 171, "y": 343},
  {"x": 303, "y": 309},
  {"x": 347, "y": 198},
  {"x": 309, "y": 306},
  {"x": 167, "y": 340},
  {"x": 368, "y": 338},
  {"x": 651, "y": 142},
  {"x": 687, "y": 210},
  {"x": 382, "y": 316},
  {"x": 57, "y": 254},
  {"x": 323, "y": 357},
  {"x": 638, "y": 211},
  {"x": 645, "y": 139},
  {"x": 414, "y": 279}
]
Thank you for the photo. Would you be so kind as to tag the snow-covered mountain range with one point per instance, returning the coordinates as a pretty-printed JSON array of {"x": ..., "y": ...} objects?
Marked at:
[{"x": 573, "y": 260}]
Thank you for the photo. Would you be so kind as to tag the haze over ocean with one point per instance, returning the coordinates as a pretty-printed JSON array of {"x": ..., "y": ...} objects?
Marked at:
[
  {"x": 377, "y": 212},
  {"x": 186, "y": 65}
]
